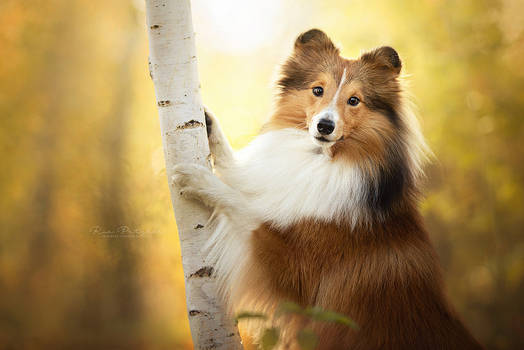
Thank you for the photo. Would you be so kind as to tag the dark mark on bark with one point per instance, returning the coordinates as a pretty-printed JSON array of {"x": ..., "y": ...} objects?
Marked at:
[
  {"x": 190, "y": 125},
  {"x": 165, "y": 103},
  {"x": 150, "y": 67},
  {"x": 205, "y": 271},
  {"x": 155, "y": 26},
  {"x": 198, "y": 226},
  {"x": 201, "y": 313},
  {"x": 230, "y": 335},
  {"x": 213, "y": 344}
]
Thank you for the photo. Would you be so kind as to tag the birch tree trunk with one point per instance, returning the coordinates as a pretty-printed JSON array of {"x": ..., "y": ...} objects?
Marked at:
[{"x": 173, "y": 68}]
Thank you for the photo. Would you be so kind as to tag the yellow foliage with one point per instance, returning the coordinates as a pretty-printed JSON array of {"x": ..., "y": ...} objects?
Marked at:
[{"x": 89, "y": 254}]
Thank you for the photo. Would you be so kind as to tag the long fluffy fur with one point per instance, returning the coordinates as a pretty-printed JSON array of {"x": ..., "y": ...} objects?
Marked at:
[{"x": 332, "y": 226}]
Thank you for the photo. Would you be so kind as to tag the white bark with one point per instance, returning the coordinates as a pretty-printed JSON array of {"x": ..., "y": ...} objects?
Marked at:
[{"x": 173, "y": 68}]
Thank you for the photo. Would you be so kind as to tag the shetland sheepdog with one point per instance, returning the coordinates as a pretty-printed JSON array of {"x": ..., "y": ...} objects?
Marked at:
[{"x": 321, "y": 207}]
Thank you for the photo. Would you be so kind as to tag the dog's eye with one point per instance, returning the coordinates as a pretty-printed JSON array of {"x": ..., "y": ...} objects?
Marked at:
[
  {"x": 353, "y": 101},
  {"x": 318, "y": 91}
]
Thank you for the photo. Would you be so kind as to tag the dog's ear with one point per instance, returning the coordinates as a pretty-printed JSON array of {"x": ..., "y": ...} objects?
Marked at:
[
  {"x": 384, "y": 57},
  {"x": 314, "y": 39},
  {"x": 313, "y": 52}
]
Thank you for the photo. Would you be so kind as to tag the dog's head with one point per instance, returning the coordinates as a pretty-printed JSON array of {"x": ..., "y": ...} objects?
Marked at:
[{"x": 349, "y": 105}]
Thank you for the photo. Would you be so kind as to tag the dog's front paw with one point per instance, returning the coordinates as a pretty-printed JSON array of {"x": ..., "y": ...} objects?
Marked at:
[
  {"x": 210, "y": 118},
  {"x": 191, "y": 179},
  {"x": 221, "y": 151},
  {"x": 211, "y": 127}
]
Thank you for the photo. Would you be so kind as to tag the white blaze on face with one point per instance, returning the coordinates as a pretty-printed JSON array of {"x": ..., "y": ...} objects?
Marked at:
[
  {"x": 333, "y": 103},
  {"x": 329, "y": 113}
]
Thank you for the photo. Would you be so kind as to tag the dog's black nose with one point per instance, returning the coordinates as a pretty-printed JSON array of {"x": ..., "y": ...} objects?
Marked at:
[{"x": 325, "y": 126}]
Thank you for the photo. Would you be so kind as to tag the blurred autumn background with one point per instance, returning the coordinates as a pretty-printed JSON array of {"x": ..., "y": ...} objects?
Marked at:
[{"x": 89, "y": 255}]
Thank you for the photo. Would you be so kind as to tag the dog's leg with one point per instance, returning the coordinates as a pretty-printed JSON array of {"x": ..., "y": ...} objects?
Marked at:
[
  {"x": 198, "y": 182},
  {"x": 218, "y": 144}
]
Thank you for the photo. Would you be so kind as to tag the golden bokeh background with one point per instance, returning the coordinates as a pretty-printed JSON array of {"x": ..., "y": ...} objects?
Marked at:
[{"x": 89, "y": 255}]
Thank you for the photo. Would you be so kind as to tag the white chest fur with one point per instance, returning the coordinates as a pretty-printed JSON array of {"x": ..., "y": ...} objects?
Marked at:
[{"x": 286, "y": 178}]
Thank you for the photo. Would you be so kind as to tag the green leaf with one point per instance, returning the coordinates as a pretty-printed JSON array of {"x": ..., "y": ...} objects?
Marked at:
[
  {"x": 288, "y": 307},
  {"x": 247, "y": 314},
  {"x": 270, "y": 338},
  {"x": 319, "y": 314},
  {"x": 307, "y": 339}
]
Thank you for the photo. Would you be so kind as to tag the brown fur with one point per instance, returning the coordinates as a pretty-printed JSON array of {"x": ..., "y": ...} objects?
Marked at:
[
  {"x": 317, "y": 63},
  {"x": 384, "y": 274},
  {"x": 385, "y": 277}
]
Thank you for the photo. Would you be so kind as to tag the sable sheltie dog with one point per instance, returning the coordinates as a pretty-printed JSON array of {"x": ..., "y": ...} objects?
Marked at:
[{"x": 321, "y": 207}]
